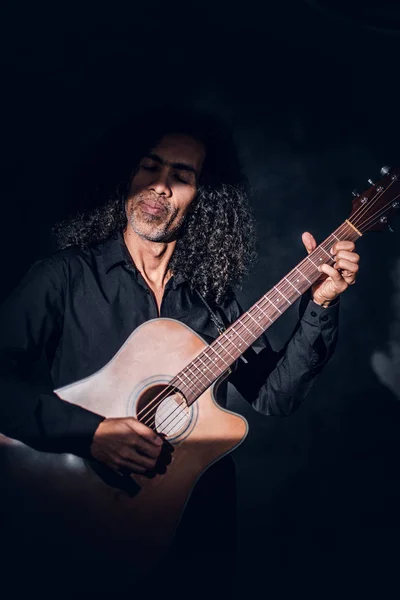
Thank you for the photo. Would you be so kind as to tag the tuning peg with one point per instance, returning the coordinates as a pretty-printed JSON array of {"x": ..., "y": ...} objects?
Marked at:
[
  {"x": 390, "y": 229},
  {"x": 371, "y": 182},
  {"x": 355, "y": 193},
  {"x": 385, "y": 170}
]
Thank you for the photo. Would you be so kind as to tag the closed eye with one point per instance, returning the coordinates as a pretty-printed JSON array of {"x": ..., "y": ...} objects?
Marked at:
[{"x": 181, "y": 179}]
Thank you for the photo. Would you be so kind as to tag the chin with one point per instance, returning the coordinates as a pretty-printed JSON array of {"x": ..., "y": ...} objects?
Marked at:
[{"x": 152, "y": 234}]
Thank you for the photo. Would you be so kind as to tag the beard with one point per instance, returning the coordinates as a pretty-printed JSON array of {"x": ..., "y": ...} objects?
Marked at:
[{"x": 160, "y": 227}]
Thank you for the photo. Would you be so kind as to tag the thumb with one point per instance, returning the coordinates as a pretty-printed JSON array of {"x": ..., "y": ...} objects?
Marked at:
[{"x": 309, "y": 241}]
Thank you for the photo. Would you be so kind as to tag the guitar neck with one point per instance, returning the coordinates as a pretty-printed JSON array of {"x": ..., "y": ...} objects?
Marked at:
[{"x": 216, "y": 359}]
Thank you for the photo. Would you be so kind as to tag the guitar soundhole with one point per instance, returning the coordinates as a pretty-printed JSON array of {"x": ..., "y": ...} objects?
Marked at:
[{"x": 164, "y": 410}]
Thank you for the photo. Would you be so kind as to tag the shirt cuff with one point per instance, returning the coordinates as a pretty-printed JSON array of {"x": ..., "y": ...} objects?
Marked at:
[
  {"x": 320, "y": 327},
  {"x": 316, "y": 315}
]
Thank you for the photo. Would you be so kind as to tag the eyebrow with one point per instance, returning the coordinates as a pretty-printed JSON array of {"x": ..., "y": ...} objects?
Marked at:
[{"x": 176, "y": 165}]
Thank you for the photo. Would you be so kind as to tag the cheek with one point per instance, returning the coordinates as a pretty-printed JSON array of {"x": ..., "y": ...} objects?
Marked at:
[
  {"x": 185, "y": 201},
  {"x": 139, "y": 182}
]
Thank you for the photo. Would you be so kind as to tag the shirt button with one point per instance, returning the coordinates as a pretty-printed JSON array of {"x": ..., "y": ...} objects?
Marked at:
[
  {"x": 313, "y": 313},
  {"x": 324, "y": 318}
]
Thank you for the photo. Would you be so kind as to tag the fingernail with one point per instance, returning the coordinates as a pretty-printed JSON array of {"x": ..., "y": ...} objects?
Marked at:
[{"x": 158, "y": 441}]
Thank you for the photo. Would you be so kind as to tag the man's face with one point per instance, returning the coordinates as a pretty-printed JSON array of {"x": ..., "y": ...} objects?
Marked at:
[{"x": 164, "y": 186}]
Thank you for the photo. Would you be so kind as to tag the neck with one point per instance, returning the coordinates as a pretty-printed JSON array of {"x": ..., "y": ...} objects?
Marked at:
[
  {"x": 217, "y": 358},
  {"x": 151, "y": 258}
]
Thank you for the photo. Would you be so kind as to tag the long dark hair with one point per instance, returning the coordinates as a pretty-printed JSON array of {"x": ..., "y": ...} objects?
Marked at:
[{"x": 216, "y": 243}]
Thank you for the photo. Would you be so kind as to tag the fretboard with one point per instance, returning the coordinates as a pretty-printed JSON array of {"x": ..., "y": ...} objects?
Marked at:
[{"x": 216, "y": 359}]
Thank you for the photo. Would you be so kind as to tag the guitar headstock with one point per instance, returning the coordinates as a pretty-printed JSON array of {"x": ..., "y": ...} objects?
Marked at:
[{"x": 373, "y": 208}]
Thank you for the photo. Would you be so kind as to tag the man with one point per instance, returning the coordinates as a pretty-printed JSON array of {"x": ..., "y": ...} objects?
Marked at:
[{"x": 174, "y": 243}]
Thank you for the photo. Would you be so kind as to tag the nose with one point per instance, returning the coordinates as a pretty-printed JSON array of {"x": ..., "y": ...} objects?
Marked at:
[{"x": 160, "y": 183}]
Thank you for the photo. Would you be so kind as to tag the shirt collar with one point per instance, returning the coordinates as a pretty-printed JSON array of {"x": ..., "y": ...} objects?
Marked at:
[{"x": 115, "y": 253}]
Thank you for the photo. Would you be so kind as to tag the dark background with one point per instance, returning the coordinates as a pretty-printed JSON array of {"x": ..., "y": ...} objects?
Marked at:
[{"x": 312, "y": 90}]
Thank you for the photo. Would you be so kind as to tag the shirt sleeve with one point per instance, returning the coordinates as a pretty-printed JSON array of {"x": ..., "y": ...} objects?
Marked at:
[
  {"x": 31, "y": 324},
  {"x": 276, "y": 383}
]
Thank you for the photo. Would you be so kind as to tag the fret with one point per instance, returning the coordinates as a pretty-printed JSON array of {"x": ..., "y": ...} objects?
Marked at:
[
  {"x": 190, "y": 381},
  {"x": 228, "y": 337},
  {"x": 184, "y": 382},
  {"x": 327, "y": 253},
  {"x": 205, "y": 367},
  {"x": 217, "y": 341},
  {"x": 237, "y": 333},
  {"x": 188, "y": 367},
  {"x": 303, "y": 275},
  {"x": 336, "y": 237},
  {"x": 275, "y": 288},
  {"x": 249, "y": 330},
  {"x": 293, "y": 286},
  {"x": 308, "y": 258},
  {"x": 319, "y": 259},
  {"x": 273, "y": 304},
  {"x": 265, "y": 315},
  {"x": 198, "y": 368},
  {"x": 256, "y": 322}
]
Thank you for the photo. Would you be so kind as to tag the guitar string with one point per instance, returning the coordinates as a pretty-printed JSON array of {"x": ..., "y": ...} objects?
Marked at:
[
  {"x": 367, "y": 206},
  {"x": 264, "y": 299},
  {"x": 376, "y": 217},
  {"x": 248, "y": 318},
  {"x": 382, "y": 210},
  {"x": 360, "y": 210},
  {"x": 184, "y": 403}
]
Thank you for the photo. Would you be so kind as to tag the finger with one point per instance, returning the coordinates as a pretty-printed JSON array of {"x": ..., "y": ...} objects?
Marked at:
[
  {"x": 309, "y": 241},
  {"x": 352, "y": 256},
  {"x": 334, "y": 274},
  {"x": 346, "y": 265},
  {"x": 349, "y": 277},
  {"x": 131, "y": 459},
  {"x": 145, "y": 432},
  {"x": 125, "y": 467},
  {"x": 343, "y": 245},
  {"x": 146, "y": 449}
]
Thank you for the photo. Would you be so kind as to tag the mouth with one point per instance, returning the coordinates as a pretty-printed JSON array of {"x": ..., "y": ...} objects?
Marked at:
[{"x": 152, "y": 208}]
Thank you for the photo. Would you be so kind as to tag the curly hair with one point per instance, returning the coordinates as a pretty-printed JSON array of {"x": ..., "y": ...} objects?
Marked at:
[{"x": 216, "y": 243}]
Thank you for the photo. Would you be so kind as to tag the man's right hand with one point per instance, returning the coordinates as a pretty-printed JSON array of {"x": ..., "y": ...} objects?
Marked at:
[{"x": 126, "y": 444}]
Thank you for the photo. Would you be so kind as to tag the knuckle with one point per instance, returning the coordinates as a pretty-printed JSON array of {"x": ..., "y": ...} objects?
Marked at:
[
  {"x": 139, "y": 469},
  {"x": 125, "y": 454}
]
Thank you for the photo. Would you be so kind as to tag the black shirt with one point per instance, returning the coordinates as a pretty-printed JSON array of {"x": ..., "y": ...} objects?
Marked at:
[{"x": 74, "y": 310}]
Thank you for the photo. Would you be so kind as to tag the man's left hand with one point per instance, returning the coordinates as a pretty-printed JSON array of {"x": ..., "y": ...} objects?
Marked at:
[{"x": 336, "y": 279}]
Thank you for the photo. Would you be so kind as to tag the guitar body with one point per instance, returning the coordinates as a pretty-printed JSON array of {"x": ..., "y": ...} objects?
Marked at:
[{"x": 136, "y": 515}]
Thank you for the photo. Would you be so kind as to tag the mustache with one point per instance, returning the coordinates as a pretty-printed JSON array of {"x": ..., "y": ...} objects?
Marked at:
[{"x": 152, "y": 200}]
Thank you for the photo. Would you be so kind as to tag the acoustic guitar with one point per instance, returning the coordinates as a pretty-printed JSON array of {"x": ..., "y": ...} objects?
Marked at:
[{"x": 166, "y": 376}]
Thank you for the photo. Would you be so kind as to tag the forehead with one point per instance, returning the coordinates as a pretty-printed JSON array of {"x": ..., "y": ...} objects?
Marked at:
[{"x": 180, "y": 148}]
